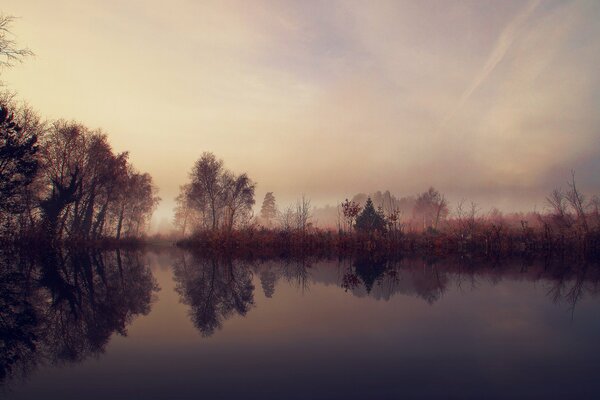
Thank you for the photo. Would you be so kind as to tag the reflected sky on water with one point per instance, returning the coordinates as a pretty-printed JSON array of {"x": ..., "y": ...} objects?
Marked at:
[{"x": 169, "y": 324}]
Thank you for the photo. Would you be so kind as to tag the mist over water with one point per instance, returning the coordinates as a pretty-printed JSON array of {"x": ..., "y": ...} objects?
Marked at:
[{"x": 299, "y": 200}]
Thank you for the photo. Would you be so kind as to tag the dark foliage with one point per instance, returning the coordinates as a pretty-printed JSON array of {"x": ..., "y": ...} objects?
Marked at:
[
  {"x": 18, "y": 162},
  {"x": 370, "y": 220},
  {"x": 62, "y": 305}
]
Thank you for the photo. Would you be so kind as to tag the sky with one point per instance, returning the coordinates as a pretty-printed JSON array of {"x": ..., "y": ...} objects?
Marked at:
[{"x": 494, "y": 101}]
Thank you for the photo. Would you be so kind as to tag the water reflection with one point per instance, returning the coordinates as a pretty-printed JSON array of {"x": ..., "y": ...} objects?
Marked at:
[
  {"x": 62, "y": 306},
  {"x": 217, "y": 289},
  {"x": 367, "y": 327},
  {"x": 566, "y": 280}
]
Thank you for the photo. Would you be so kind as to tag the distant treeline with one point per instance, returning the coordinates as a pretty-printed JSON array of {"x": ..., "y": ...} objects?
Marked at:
[
  {"x": 214, "y": 212},
  {"x": 60, "y": 180}
]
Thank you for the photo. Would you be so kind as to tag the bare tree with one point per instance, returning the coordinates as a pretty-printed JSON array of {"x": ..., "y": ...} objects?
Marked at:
[
  {"x": 183, "y": 217},
  {"x": 206, "y": 189},
  {"x": 303, "y": 214},
  {"x": 431, "y": 206},
  {"x": 577, "y": 201},
  {"x": 595, "y": 206},
  {"x": 224, "y": 198},
  {"x": 287, "y": 219},
  {"x": 238, "y": 199},
  {"x": 467, "y": 219},
  {"x": 88, "y": 189},
  {"x": 10, "y": 52}
]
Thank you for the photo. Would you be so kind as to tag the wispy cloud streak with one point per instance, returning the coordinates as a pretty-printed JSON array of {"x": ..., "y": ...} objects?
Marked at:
[{"x": 508, "y": 36}]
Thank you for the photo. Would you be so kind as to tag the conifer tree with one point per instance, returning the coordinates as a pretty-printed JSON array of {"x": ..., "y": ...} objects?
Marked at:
[
  {"x": 370, "y": 220},
  {"x": 268, "y": 210}
]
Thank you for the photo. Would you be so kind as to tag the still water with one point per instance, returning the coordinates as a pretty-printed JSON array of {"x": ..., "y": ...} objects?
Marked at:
[{"x": 169, "y": 324}]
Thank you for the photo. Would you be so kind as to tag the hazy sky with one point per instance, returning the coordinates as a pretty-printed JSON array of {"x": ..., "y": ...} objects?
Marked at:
[{"x": 491, "y": 100}]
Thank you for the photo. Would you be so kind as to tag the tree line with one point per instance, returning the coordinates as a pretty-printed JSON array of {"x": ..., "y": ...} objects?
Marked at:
[
  {"x": 60, "y": 179},
  {"x": 215, "y": 209}
]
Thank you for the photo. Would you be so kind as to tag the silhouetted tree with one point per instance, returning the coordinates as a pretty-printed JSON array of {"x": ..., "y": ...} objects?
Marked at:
[
  {"x": 75, "y": 186},
  {"x": 206, "y": 190},
  {"x": 370, "y": 220},
  {"x": 9, "y": 51},
  {"x": 577, "y": 201},
  {"x": 88, "y": 190},
  {"x": 217, "y": 194},
  {"x": 18, "y": 162},
  {"x": 350, "y": 209},
  {"x": 238, "y": 199}
]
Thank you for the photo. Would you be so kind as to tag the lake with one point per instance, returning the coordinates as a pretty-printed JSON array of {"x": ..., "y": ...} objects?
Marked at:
[{"x": 164, "y": 323}]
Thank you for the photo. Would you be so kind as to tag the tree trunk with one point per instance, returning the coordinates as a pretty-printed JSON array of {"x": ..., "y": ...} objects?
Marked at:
[{"x": 120, "y": 223}]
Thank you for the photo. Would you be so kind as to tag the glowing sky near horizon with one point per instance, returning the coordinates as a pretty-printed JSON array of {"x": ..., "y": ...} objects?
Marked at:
[{"x": 491, "y": 100}]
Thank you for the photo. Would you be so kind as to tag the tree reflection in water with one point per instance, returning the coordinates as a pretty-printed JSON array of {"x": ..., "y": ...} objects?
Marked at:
[
  {"x": 215, "y": 289},
  {"x": 218, "y": 288},
  {"x": 429, "y": 279},
  {"x": 63, "y": 305}
]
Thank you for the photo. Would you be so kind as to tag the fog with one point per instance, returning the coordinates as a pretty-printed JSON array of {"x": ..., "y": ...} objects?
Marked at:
[{"x": 491, "y": 101}]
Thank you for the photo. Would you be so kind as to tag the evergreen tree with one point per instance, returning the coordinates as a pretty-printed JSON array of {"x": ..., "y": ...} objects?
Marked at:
[
  {"x": 18, "y": 162},
  {"x": 370, "y": 220},
  {"x": 268, "y": 210}
]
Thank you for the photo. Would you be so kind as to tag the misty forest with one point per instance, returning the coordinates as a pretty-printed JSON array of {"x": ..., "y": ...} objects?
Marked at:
[
  {"x": 121, "y": 279},
  {"x": 61, "y": 182}
]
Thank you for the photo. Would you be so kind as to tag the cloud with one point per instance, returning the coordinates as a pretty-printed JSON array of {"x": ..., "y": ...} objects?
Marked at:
[
  {"x": 328, "y": 98},
  {"x": 512, "y": 30}
]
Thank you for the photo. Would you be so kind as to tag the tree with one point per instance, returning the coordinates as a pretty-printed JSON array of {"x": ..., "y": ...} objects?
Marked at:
[
  {"x": 577, "y": 201},
  {"x": 238, "y": 199},
  {"x": 138, "y": 203},
  {"x": 286, "y": 219},
  {"x": 206, "y": 190},
  {"x": 303, "y": 214},
  {"x": 432, "y": 207},
  {"x": 183, "y": 216},
  {"x": 88, "y": 190},
  {"x": 217, "y": 194},
  {"x": 370, "y": 220},
  {"x": 9, "y": 51},
  {"x": 18, "y": 162},
  {"x": 560, "y": 213},
  {"x": 62, "y": 157},
  {"x": 351, "y": 209},
  {"x": 268, "y": 211}
]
